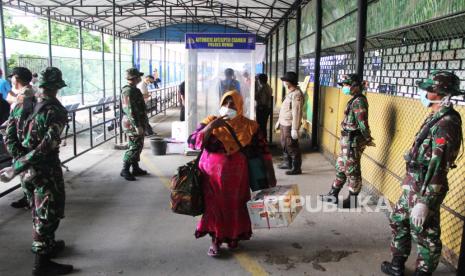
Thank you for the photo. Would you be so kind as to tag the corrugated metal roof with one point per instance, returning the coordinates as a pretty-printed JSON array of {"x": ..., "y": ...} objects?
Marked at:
[{"x": 136, "y": 17}]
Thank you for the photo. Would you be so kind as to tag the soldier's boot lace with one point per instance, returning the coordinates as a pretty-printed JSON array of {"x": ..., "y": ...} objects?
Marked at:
[
  {"x": 421, "y": 273},
  {"x": 332, "y": 196},
  {"x": 56, "y": 248},
  {"x": 21, "y": 203},
  {"x": 43, "y": 266},
  {"x": 296, "y": 167},
  {"x": 126, "y": 173},
  {"x": 351, "y": 201},
  {"x": 394, "y": 268},
  {"x": 137, "y": 171}
]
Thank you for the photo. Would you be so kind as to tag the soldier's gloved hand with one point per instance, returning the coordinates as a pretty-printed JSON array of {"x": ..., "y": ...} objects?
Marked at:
[
  {"x": 294, "y": 134},
  {"x": 418, "y": 214},
  {"x": 140, "y": 131},
  {"x": 276, "y": 127},
  {"x": 7, "y": 174}
]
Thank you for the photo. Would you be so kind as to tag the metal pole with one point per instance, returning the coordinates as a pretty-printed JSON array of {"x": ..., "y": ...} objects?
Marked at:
[
  {"x": 316, "y": 85},
  {"x": 103, "y": 65},
  {"x": 2, "y": 33},
  {"x": 297, "y": 43},
  {"x": 49, "y": 40},
  {"x": 119, "y": 59},
  {"x": 286, "y": 23},
  {"x": 277, "y": 61},
  {"x": 361, "y": 36},
  {"x": 164, "y": 53},
  {"x": 271, "y": 59},
  {"x": 114, "y": 77},
  {"x": 265, "y": 68},
  {"x": 80, "y": 59}
]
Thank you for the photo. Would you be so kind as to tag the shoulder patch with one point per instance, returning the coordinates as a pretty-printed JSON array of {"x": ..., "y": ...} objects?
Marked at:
[{"x": 441, "y": 141}]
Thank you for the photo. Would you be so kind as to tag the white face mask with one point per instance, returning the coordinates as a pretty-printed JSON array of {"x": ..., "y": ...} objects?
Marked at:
[{"x": 230, "y": 113}]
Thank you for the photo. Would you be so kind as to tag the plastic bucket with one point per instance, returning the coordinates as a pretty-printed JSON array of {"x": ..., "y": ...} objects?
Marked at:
[{"x": 158, "y": 146}]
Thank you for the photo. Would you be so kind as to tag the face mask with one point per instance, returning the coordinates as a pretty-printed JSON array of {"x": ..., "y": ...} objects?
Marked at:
[
  {"x": 424, "y": 99},
  {"x": 346, "y": 90},
  {"x": 230, "y": 113}
]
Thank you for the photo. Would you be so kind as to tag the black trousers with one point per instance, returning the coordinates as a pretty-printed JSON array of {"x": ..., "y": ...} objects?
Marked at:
[
  {"x": 291, "y": 149},
  {"x": 263, "y": 113}
]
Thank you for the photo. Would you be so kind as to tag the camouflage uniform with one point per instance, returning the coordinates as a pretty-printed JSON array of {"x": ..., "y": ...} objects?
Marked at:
[
  {"x": 426, "y": 182},
  {"x": 355, "y": 135},
  {"x": 434, "y": 151},
  {"x": 135, "y": 116},
  {"x": 33, "y": 139}
]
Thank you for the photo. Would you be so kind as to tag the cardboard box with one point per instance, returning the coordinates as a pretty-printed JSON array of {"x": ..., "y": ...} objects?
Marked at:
[
  {"x": 179, "y": 131},
  {"x": 274, "y": 207},
  {"x": 175, "y": 147}
]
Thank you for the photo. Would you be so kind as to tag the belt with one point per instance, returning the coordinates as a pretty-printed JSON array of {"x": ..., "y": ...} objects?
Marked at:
[{"x": 352, "y": 133}]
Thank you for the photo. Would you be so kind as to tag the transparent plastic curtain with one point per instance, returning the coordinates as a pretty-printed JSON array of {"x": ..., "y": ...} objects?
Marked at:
[{"x": 206, "y": 71}]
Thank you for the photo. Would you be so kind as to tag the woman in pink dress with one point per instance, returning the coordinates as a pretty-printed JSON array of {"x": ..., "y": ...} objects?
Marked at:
[{"x": 225, "y": 172}]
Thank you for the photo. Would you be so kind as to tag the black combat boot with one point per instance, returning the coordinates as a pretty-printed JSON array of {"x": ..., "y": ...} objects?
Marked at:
[
  {"x": 44, "y": 267},
  {"x": 332, "y": 196},
  {"x": 296, "y": 167},
  {"x": 350, "y": 200},
  {"x": 137, "y": 171},
  {"x": 394, "y": 268},
  {"x": 21, "y": 203},
  {"x": 421, "y": 273},
  {"x": 286, "y": 164},
  {"x": 126, "y": 173},
  {"x": 56, "y": 248}
]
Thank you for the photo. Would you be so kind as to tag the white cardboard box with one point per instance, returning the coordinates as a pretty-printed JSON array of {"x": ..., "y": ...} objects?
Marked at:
[
  {"x": 179, "y": 131},
  {"x": 175, "y": 148},
  {"x": 274, "y": 207}
]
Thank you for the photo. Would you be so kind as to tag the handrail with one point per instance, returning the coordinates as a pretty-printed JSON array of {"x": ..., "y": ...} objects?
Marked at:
[{"x": 167, "y": 100}]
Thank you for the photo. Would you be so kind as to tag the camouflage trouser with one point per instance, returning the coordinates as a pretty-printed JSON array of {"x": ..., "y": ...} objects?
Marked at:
[
  {"x": 136, "y": 144},
  {"x": 348, "y": 166},
  {"x": 427, "y": 237},
  {"x": 46, "y": 196}
]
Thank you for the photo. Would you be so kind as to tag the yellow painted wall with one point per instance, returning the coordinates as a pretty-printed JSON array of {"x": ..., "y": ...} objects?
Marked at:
[{"x": 394, "y": 121}]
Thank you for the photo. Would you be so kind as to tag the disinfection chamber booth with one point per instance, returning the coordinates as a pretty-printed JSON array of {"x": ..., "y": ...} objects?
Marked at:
[{"x": 217, "y": 63}]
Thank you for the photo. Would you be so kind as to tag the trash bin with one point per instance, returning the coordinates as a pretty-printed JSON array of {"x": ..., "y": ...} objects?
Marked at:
[{"x": 158, "y": 146}]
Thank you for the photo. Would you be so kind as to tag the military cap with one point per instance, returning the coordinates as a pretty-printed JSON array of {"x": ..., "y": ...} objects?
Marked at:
[
  {"x": 51, "y": 78},
  {"x": 133, "y": 73},
  {"x": 442, "y": 82},
  {"x": 349, "y": 79},
  {"x": 21, "y": 73}
]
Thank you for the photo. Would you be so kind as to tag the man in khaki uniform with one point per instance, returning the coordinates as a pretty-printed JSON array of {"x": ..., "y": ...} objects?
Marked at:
[{"x": 290, "y": 117}]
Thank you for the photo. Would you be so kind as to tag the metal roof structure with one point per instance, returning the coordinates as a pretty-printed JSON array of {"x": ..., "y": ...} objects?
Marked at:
[{"x": 131, "y": 18}]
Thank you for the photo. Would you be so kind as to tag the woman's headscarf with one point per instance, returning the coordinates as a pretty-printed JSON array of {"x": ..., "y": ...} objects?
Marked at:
[{"x": 243, "y": 127}]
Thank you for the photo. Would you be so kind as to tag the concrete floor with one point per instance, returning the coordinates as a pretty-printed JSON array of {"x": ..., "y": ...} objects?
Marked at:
[{"x": 114, "y": 227}]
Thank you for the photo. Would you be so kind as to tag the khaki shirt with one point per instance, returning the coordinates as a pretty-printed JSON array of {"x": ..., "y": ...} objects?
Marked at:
[{"x": 290, "y": 113}]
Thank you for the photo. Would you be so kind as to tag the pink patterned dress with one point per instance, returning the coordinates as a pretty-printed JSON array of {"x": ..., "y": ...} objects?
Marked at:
[{"x": 226, "y": 189}]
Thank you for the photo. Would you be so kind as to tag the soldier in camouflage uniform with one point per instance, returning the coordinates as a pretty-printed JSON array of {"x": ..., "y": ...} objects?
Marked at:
[
  {"x": 134, "y": 122},
  {"x": 355, "y": 137},
  {"x": 33, "y": 139},
  {"x": 20, "y": 79},
  {"x": 433, "y": 153}
]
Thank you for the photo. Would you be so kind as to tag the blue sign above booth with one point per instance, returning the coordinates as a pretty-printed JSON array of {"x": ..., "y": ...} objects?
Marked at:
[{"x": 220, "y": 41}]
